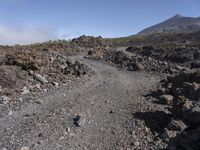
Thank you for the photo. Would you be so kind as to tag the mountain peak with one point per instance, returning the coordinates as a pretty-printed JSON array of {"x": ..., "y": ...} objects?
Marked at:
[
  {"x": 177, "y": 23},
  {"x": 177, "y": 16}
]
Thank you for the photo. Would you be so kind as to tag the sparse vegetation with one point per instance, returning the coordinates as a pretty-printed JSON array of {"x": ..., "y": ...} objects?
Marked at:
[{"x": 159, "y": 40}]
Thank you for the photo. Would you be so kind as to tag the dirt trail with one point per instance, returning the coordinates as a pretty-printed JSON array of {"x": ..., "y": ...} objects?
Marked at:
[{"x": 104, "y": 103}]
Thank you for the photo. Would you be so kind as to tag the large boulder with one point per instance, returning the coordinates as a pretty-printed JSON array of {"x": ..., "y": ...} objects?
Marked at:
[{"x": 12, "y": 77}]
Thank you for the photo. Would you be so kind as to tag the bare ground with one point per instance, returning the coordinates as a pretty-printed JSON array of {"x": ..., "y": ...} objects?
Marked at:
[{"x": 105, "y": 103}]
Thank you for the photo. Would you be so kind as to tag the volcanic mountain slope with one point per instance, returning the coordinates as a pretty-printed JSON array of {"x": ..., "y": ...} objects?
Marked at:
[{"x": 175, "y": 24}]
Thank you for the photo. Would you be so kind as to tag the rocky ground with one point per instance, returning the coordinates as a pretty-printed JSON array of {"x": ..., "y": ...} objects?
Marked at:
[
  {"x": 141, "y": 98},
  {"x": 177, "y": 124},
  {"x": 95, "y": 114}
]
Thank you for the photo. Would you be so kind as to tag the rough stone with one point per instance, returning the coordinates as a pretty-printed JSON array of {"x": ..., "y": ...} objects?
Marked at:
[
  {"x": 38, "y": 86},
  {"x": 166, "y": 99},
  {"x": 136, "y": 143},
  {"x": 77, "y": 121},
  {"x": 25, "y": 90},
  {"x": 41, "y": 78},
  {"x": 168, "y": 134},
  {"x": 10, "y": 113},
  {"x": 135, "y": 67},
  {"x": 24, "y": 148},
  {"x": 4, "y": 99},
  {"x": 176, "y": 125},
  {"x": 56, "y": 84}
]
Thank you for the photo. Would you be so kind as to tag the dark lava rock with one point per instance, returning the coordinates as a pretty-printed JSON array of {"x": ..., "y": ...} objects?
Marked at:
[
  {"x": 135, "y": 62},
  {"x": 176, "y": 125},
  {"x": 133, "y": 49},
  {"x": 77, "y": 69},
  {"x": 77, "y": 121},
  {"x": 190, "y": 112},
  {"x": 191, "y": 140},
  {"x": 135, "y": 67},
  {"x": 195, "y": 65}
]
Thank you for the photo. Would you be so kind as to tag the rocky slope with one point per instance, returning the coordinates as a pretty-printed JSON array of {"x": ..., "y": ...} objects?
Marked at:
[{"x": 177, "y": 23}]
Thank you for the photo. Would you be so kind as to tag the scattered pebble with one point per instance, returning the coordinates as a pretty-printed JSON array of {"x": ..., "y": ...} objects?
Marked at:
[
  {"x": 25, "y": 90},
  {"x": 5, "y": 99},
  {"x": 10, "y": 113},
  {"x": 56, "y": 84},
  {"x": 136, "y": 143},
  {"x": 24, "y": 148},
  {"x": 38, "y": 86},
  {"x": 77, "y": 121},
  {"x": 41, "y": 78}
]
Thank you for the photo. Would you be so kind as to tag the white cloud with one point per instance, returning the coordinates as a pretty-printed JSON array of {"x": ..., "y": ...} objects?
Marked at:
[
  {"x": 68, "y": 34},
  {"x": 25, "y": 35}
]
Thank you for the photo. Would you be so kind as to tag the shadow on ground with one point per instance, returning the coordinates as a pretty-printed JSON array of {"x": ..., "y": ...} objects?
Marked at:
[{"x": 156, "y": 121}]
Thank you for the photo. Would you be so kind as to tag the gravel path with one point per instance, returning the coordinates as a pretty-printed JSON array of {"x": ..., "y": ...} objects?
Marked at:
[{"x": 94, "y": 115}]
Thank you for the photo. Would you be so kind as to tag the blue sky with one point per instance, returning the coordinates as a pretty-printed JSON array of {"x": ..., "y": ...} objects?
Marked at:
[{"x": 27, "y": 21}]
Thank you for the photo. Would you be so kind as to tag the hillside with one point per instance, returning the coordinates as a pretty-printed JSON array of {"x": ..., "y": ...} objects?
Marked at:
[
  {"x": 158, "y": 40},
  {"x": 175, "y": 24}
]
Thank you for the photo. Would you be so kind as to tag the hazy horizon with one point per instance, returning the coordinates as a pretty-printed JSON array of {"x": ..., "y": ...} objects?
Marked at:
[{"x": 30, "y": 21}]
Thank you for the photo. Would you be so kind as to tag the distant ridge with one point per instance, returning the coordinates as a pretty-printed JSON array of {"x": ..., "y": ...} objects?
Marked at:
[{"x": 174, "y": 24}]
